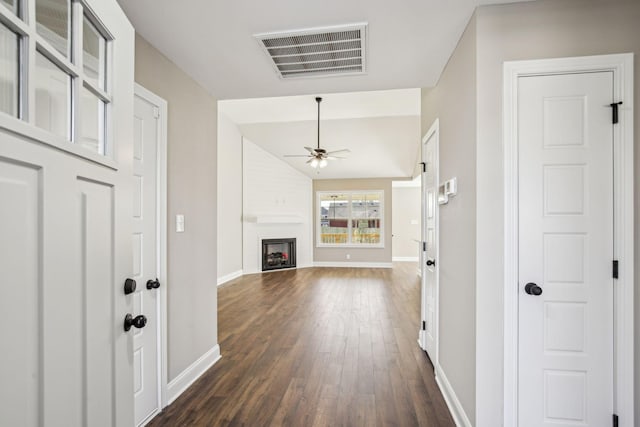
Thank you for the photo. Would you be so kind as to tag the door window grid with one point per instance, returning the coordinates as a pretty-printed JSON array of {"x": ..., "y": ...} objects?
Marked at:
[
  {"x": 350, "y": 218},
  {"x": 21, "y": 18}
]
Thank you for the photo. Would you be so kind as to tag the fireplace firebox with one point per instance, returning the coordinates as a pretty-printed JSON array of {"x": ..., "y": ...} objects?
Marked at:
[{"x": 278, "y": 253}]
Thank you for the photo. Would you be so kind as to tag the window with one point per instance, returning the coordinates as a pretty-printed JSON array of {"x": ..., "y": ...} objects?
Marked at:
[
  {"x": 65, "y": 90},
  {"x": 350, "y": 218},
  {"x": 9, "y": 71}
]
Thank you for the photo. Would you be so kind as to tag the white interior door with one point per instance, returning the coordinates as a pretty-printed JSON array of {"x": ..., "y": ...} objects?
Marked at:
[
  {"x": 146, "y": 268},
  {"x": 430, "y": 248},
  {"x": 565, "y": 143}
]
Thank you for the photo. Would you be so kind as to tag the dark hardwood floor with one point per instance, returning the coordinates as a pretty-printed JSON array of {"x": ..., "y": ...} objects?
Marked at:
[{"x": 317, "y": 347}]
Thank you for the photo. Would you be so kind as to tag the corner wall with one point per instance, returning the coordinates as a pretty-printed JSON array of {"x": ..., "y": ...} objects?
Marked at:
[
  {"x": 191, "y": 173},
  {"x": 406, "y": 211},
  {"x": 229, "y": 199},
  {"x": 272, "y": 188},
  {"x": 532, "y": 30},
  {"x": 453, "y": 102}
]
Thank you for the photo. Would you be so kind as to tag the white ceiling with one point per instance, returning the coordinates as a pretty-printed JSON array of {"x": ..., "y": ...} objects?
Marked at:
[
  {"x": 375, "y": 115},
  {"x": 381, "y": 128},
  {"x": 409, "y": 41}
]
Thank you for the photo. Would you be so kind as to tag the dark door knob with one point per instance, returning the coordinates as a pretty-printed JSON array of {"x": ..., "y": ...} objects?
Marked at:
[
  {"x": 129, "y": 286},
  {"x": 138, "y": 321},
  {"x": 431, "y": 262},
  {"x": 533, "y": 289},
  {"x": 153, "y": 284}
]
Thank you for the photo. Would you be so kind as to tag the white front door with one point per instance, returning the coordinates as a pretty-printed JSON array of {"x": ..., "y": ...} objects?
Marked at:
[
  {"x": 65, "y": 225},
  {"x": 430, "y": 248},
  {"x": 565, "y": 143},
  {"x": 146, "y": 298}
]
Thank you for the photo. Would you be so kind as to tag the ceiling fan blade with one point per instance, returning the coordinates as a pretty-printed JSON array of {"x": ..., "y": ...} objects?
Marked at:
[
  {"x": 334, "y": 158},
  {"x": 345, "y": 150},
  {"x": 311, "y": 160},
  {"x": 297, "y": 155},
  {"x": 311, "y": 150}
]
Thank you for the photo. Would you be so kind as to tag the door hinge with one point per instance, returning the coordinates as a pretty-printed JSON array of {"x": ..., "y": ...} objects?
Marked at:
[
  {"x": 614, "y": 111},
  {"x": 615, "y": 420},
  {"x": 424, "y": 246},
  {"x": 156, "y": 112},
  {"x": 424, "y": 166},
  {"x": 615, "y": 268},
  {"x": 424, "y": 325}
]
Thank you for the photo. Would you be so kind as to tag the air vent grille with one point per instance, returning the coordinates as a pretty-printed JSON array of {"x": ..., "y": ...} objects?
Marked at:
[{"x": 317, "y": 52}]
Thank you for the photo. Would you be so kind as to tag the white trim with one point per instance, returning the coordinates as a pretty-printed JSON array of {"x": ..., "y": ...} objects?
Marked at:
[
  {"x": 434, "y": 131},
  {"x": 179, "y": 384},
  {"x": 460, "y": 417},
  {"x": 405, "y": 259},
  {"x": 353, "y": 264},
  {"x": 622, "y": 67},
  {"x": 161, "y": 234},
  {"x": 229, "y": 277}
]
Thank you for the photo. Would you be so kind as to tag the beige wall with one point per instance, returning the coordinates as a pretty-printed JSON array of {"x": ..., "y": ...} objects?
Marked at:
[
  {"x": 541, "y": 29},
  {"x": 191, "y": 287},
  {"x": 453, "y": 102},
  {"x": 406, "y": 211},
  {"x": 229, "y": 197},
  {"x": 357, "y": 254}
]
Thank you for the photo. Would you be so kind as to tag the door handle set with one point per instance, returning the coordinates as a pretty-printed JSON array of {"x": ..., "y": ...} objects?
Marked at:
[
  {"x": 533, "y": 289},
  {"x": 130, "y": 285},
  {"x": 431, "y": 262},
  {"x": 139, "y": 321}
]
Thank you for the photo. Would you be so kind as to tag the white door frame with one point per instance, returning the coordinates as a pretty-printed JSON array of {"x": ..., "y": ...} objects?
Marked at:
[
  {"x": 434, "y": 131},
  {"x": 622, "y": 67},
  {"x": 161, "y": 234}
]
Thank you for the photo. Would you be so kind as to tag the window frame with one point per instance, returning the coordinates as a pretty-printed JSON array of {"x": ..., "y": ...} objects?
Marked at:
[
  {"x": 349, "y": 243},
  {"x": 25, "y": 26}
]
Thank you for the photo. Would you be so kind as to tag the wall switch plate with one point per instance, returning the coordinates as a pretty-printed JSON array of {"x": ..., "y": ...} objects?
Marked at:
[
  {"x": 348, "y": 256},
  {"x": 179, "y": 223}
]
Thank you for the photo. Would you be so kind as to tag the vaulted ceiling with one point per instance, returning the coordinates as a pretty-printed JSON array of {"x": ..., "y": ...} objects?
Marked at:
[{"x": 408, "y": 45}]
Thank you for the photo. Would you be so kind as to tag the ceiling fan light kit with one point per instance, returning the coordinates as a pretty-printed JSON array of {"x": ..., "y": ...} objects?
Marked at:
[{"x": 318, "y": 157}]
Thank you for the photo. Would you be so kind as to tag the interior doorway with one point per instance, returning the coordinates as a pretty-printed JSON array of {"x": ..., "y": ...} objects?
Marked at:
[
  {"x": 428, "y": 336},
  {"x": 149, "y": 253}
]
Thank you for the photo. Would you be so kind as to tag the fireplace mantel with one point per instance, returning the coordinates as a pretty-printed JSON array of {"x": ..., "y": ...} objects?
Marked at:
[{"x": 275, "y": 219}]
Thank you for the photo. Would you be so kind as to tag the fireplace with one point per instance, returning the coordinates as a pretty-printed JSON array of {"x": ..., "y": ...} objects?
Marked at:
[{"x": 278, "y": 253}]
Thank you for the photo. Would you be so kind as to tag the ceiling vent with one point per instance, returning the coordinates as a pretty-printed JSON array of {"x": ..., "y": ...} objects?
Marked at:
[{"x": 317, "y": 52}]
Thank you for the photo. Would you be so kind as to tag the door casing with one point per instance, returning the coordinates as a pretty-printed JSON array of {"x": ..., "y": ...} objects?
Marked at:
[
  {"x": 622, "y": 67},
  {"x": 434, "y": 131},
  {"x": 161, "y": 234}
]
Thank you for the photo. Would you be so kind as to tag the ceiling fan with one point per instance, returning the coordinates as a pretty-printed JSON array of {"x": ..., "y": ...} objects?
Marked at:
[{"x": 318, "y": 156}]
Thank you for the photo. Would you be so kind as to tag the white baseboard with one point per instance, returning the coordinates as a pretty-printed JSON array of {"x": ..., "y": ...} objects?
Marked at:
[
  {"x": 455, "y": 407},
  {"x": 353, "y": 264},
  {"x": 405, "y": 259},
  {"x": 229, "y": 277},
  {"x": 182, "y": 382}
]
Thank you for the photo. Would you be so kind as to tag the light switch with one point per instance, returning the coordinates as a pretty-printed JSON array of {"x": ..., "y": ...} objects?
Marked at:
[
  {"x": 179, "y": 223},
  {"x": 414, "y": 222}
]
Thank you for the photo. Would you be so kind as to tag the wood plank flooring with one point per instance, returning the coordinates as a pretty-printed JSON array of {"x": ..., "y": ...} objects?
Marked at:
[{"x": 317, "y": 347}]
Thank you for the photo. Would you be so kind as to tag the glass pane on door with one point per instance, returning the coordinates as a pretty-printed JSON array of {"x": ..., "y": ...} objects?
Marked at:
[
  {"x": 93, "y": 54},
  {"x": 9, "y": 71},
  {"x": 52, "y": 18},
  {"x": 92, "y": 122},
  {"x": 11, "y": 4},
  {"x": 53, "y": 97}
]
